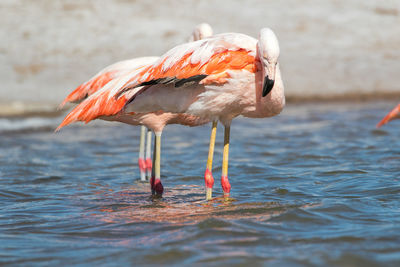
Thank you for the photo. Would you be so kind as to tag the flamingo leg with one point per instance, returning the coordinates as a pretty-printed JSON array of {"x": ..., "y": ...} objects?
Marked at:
[
  {"x": 141, "y": 161},
  {"x": 224, "y": 177},
  {"x": 208, "y": 178},
  {"x": 149, "y": 162},
  {"x": 155, "y": 181},
  {"x": 152, "y": 179}
]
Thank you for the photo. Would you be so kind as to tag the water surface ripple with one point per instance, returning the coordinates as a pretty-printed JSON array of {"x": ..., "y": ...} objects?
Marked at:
[{"x": 316, "y": 186}]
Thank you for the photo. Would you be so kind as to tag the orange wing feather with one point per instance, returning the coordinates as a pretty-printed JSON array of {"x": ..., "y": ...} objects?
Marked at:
[
  {"x": 94, "y": 107},
  {"x": 219, "y": 62},
  {"x": 89, "y": 87}
]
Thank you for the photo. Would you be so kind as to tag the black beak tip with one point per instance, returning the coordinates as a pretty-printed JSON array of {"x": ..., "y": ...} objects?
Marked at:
[{"x": 267, "y": 87}]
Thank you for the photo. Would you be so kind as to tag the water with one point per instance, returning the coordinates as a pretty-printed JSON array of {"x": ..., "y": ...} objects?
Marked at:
[{"x": 316, "y": 186}]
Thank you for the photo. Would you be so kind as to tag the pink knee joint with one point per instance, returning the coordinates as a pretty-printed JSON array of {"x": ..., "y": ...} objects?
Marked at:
[
  {"x": 208, "y": 178},
  {"x": 226, "y": 186},
  {"x": 142, "y": 165}
]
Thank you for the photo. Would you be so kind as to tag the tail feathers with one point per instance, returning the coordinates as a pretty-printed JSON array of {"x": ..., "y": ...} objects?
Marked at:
[
  {"x": 74, "y": 96},
  {"x": 88, "y": 88},
  {"x": 395, "y": 113},
  {"x": 93, "y": 108}
]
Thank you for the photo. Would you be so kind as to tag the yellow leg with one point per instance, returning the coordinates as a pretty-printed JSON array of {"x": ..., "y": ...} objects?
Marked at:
[
  {"x": 152, "y": 179},
  {"x": 155, "y": 180},
  {"x": 157, "y": 187},
  {"x": 209, "y": 180},
  {"x": 224, "y": 177},
  {"x": 157, "y": 169}
]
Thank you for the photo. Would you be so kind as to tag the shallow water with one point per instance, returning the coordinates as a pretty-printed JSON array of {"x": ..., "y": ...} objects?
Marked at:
[{"x": 316, "y": 186}]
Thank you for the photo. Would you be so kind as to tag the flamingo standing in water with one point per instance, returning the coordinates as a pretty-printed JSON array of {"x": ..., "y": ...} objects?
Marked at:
[
  {"x": 218, "y": 78},
  {"x": 119, "y": 69},
  {"x": 392, "y": 115}
]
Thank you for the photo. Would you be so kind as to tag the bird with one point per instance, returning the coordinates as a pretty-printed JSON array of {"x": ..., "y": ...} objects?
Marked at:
[
  {"x": 155, "y": 121},
  {"x": 216, "y": 79},
  {"x": 119, "y": 69},
  {"x": 392, "y": 115}
]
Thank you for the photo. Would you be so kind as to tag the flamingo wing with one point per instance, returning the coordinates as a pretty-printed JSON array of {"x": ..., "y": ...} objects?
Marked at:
[
  {"x": 393, "y": 114},
  {"x": 104, "y": 76},
  {"x": 207, "y": 60},
  {"x": 100, "y": 103}
]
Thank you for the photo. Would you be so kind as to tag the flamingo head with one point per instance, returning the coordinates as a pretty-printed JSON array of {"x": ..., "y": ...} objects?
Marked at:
[
  {"x": 201, "y": 31},
  {"x": 268, "y": 51}
]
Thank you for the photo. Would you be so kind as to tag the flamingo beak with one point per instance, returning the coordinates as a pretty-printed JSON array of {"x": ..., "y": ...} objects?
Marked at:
[
  {"x": 268, "y": 85},
  {"x": 269, "y": 79}
]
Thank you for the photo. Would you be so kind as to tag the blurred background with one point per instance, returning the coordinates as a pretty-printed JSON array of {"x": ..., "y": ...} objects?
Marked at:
[{"x": 338, "y": 49}]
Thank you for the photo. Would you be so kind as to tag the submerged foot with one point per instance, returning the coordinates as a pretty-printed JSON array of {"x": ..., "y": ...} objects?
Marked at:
[{"x": 156, "y": 186}]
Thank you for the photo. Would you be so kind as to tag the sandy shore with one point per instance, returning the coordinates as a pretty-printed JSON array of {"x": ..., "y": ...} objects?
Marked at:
[{"x": 329, "y": 50}]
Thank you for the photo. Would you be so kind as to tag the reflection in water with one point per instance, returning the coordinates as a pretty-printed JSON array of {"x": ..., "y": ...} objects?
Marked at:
[{"x": 181, "y": 205}]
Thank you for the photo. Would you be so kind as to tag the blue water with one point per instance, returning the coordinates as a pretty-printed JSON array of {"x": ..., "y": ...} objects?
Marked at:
[{"x": 317, "y": 185}]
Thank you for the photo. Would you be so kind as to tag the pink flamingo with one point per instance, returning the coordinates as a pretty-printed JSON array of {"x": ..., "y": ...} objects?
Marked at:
[
  {"x": 119, "y": 69},
  {"x": 218, "y": 78},
  {"x": 392, "y": 115}
]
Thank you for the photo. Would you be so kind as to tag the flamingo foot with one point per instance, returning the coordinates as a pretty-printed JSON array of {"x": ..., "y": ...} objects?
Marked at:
[
  {"x": 156, "y": 186},
  {"x": 226, "y": 186},
  {"x": 142, "y": 168},
  {"x": 209, "y": 180}
]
